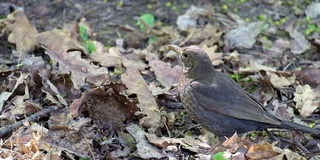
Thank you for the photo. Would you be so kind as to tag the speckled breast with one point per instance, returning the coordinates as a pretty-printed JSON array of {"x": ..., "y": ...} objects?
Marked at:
[{"x": 185, "y": 96}]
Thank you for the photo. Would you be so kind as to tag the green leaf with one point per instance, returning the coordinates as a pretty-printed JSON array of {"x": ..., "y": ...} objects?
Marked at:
[
  {"x": 148, "y": 20},
  {"x": 90, "y": 46},
  {"x": 83, "y": 32},
  {"x": 152, "y": 40},
  {"x": 219, "y": 156}
]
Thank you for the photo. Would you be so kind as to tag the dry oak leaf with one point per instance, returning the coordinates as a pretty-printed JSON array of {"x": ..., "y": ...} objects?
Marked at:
[
  {"x": 263, "y": 150},
  {"x": 172, "y": 144},
  {"x": 279, "y": 81},
  {"x": 110, "y": 107},
  {"x": 309, "y": 75},
  {"x": 307, "y": 99},
  {"x": 214, "y": 57},
  {"x": 244, "y": 36},
  {"x": 110, "y": 58},
  {"x": 57, "y": 43},
  {"x": 22, "y": 32},
  {"x": 144, "y": 149},
  {"x": 207, "y": 35},
  {"x": 165, "y": 74},
  {"x": 147, "y": 104}
]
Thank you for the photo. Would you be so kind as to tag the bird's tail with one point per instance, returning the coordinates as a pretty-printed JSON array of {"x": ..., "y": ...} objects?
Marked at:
[{"x": 299, "y": 127}]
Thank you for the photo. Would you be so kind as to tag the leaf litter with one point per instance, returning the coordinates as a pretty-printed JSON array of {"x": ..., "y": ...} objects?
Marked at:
[{"x": 69, "y": 103}]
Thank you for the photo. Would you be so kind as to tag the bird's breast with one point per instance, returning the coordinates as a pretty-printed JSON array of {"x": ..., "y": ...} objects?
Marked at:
[{"x": 186, "y": 95}]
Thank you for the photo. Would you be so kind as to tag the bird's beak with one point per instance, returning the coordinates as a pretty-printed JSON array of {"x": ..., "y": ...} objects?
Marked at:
[{"x": 176, "y": 49}]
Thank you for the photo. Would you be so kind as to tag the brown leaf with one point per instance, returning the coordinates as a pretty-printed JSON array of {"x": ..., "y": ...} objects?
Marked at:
[
  {"x": 307, "y": 99},
  {"x": 299, "y": 43},
  {"x": 282, "y": 111},
  {"x": 144, "y": 149},
  {"x": 165, "y": 74},
  {"x": 188, "y": 142},
  {"x": 235, "y": 142},
  {"x": 110, "y": 107},
  {"x": 279, "y": 81},
  {"x": 22, "y": 32},
  {"x": 263, "y": 150},
  {"x": 57, "y": 43},
  {"x": 207, "y": 35},
  {"x": 147, "y": 104},
  {"x": 110, "y": 58},
  {"x": 214, "y": 57},
  {"x": 285, "y": 154},
  {"x": 244, "y": 36},
  {"x": 309, "y": 76}
]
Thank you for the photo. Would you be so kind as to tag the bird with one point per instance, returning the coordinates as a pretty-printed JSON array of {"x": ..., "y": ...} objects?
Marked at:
[{"x": 218, "y": 103}]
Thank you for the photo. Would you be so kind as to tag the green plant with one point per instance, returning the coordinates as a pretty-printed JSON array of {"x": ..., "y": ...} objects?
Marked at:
[
  {"x": 89, "y": 45},
  {"x": 311, "y": 27},
  {"x": 219, "y": 156},
  {"x": 236, "y": 77},
  {"x": 148, "y": 19}
]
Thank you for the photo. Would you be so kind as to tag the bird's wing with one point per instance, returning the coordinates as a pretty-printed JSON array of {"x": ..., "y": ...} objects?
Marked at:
[{"x": 233, "y": 102}]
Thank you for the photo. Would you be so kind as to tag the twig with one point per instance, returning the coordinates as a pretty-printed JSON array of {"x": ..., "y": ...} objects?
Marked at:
[{"x": 9, "y": 128}]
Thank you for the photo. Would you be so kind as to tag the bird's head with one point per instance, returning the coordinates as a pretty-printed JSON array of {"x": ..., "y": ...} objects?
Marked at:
[{"x": 196, "y": 62}]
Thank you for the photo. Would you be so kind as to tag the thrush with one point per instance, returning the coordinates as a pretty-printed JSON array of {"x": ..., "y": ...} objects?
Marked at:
[{"x": 219, "y": 104}]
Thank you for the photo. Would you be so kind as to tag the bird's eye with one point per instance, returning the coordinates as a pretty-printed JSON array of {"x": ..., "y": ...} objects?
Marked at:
[{"x": 185, "y": 55}]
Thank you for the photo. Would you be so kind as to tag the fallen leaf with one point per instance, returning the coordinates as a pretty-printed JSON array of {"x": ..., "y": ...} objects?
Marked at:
[
  {"x": 147, "y": 104},
  {"x": 307, "y": 99},
  {"x": 189, "y": 143},
  {"x": 262, "y": 150},
  {"x": 144, "y": 148},
  {"x": 189, "y": 19},
  {"x": 214, "y": 57},
  {"x": 165, "y": 74},
  {"x": 57, "y": 43},
  {"x": 3, "y": 97},
  {"x": 110, "y": 107},
  {"x": 279, "y": 81},
  {"x": 313, "y": 10},
  {"x": 207, "y": 35},
  {"x": 244, "y": 36},
  {"x": 310, "y": 76},
  {"x": 285, "y": 154},
  {"x": 234, "y": 143},
  {"x": 110, "y": 58},
  {"x": 22, "y": 32},
  {"x": 299, "y": 43},
  {"x": 57, "y": 93},
  {"x": 282, "y": 111}
]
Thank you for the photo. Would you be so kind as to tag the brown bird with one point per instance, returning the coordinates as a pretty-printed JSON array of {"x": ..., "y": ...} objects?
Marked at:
[{"x": 218, "y": 103}]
